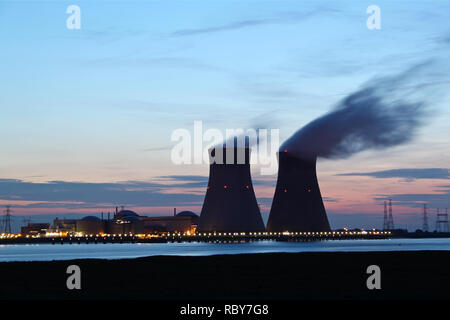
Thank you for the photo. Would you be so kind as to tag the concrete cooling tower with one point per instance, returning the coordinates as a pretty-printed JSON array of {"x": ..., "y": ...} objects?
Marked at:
[
  {"x": 297, "y": 204},
  {"x": 230, "y": 203}
]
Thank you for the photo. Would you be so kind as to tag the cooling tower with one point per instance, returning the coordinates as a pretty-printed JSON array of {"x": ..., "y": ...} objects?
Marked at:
[
  {"x": 297, "y": 204},
  {"x": 230, "y": 203}
]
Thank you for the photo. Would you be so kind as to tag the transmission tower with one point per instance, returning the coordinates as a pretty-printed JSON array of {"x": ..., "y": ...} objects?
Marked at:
[
  {"x": 425, "y": 218},
  {"x": 385, "y": 219},
  {"x": 7, "y": 220},
  {"x": 27, "y": 220},
  {"x": 442, "y": 221},
  {"x": 391, "y": 217}
]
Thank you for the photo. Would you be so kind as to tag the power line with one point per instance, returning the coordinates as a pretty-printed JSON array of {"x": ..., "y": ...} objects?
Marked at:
[
  {"x": 385, "y": 218},
  {"x": 442, "y": 221},
  {"x": 7, "y": 220},
  {"x": 425, "y": 218},
  {"x": 391, "y": 217}
]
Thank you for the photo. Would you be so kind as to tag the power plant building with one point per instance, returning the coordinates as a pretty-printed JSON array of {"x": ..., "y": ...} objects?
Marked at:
[
  {"x": 184, "y": 222},
  {"x": 123, "y": 222},
  {"x": 90, "y": 225},
  {"x": 35, "y": 228},
  {"x": 68, "y": 225}
]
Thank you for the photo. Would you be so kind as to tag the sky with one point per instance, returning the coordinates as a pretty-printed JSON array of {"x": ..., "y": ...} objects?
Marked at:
[{"x": 88, "y": 114}]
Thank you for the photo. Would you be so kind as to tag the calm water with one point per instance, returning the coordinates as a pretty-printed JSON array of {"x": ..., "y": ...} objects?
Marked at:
[{"x": 45, "y": 252}]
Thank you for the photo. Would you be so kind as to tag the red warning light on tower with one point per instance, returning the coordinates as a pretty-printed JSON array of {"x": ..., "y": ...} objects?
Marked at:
[
  {"x": 229, "y": 209},
  {"x": 300, "y": 209}
]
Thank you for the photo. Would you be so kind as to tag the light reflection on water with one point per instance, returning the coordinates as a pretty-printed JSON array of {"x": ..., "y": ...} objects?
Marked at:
[{"x": 46, "y": 252}]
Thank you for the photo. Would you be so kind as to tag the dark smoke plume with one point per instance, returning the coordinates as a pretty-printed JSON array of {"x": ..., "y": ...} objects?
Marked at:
[{"x": 384, "y": 112}]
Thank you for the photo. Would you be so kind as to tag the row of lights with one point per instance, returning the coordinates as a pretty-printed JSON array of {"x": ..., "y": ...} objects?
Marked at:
[
  {"x": 81, "y": 235},
  {"x": 10, "y": 235},
  {"x": 209, "y": 234},
  {"x": 76, "y": 235},
  {"x": 285, "y": 233}
]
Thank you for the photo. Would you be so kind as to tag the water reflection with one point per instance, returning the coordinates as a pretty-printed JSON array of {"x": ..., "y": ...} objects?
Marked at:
[{"x": 46, "y": 252}]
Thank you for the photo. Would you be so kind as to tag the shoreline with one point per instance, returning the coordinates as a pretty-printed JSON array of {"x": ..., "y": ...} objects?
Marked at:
[
  {"x": 261, "y": 276},
  {"x": 214, "y": 238}
]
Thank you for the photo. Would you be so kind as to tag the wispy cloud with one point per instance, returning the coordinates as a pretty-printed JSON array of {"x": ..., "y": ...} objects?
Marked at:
[
  {"x": 416, "y": 173},
  {"x": 246, "y": 23},
  {"x": 329, "y": 199},
  {"x": 230, "y": 26},
  {"x": 91, "y": 195},
  {"x": 435, "y": 199},
  {"x": 171, "y": 190},
  {"x": 185, "y": 178}
]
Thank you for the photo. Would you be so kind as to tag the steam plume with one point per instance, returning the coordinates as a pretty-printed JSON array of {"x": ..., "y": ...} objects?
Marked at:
[{"x": 384, "y": 112}]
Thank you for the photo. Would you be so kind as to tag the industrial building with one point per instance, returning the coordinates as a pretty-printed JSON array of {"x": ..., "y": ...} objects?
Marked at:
[
  {"x": 91, "y": 225},
  {"x": 35, "y": 228},
  {"x": 67, "y": 225},
  {"x": 185, "y": 222},
  {"x": 297, "y": 204},
  {"x": 123, "y": 222},
  {"x": 230, "y": 203}
]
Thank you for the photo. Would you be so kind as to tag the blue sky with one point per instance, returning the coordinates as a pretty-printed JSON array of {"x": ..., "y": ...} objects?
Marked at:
[{"x": 98, "y": 105}]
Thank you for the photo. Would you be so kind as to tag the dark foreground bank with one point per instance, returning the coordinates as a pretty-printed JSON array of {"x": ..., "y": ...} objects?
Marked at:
[{"x": 273, "y": 276}]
